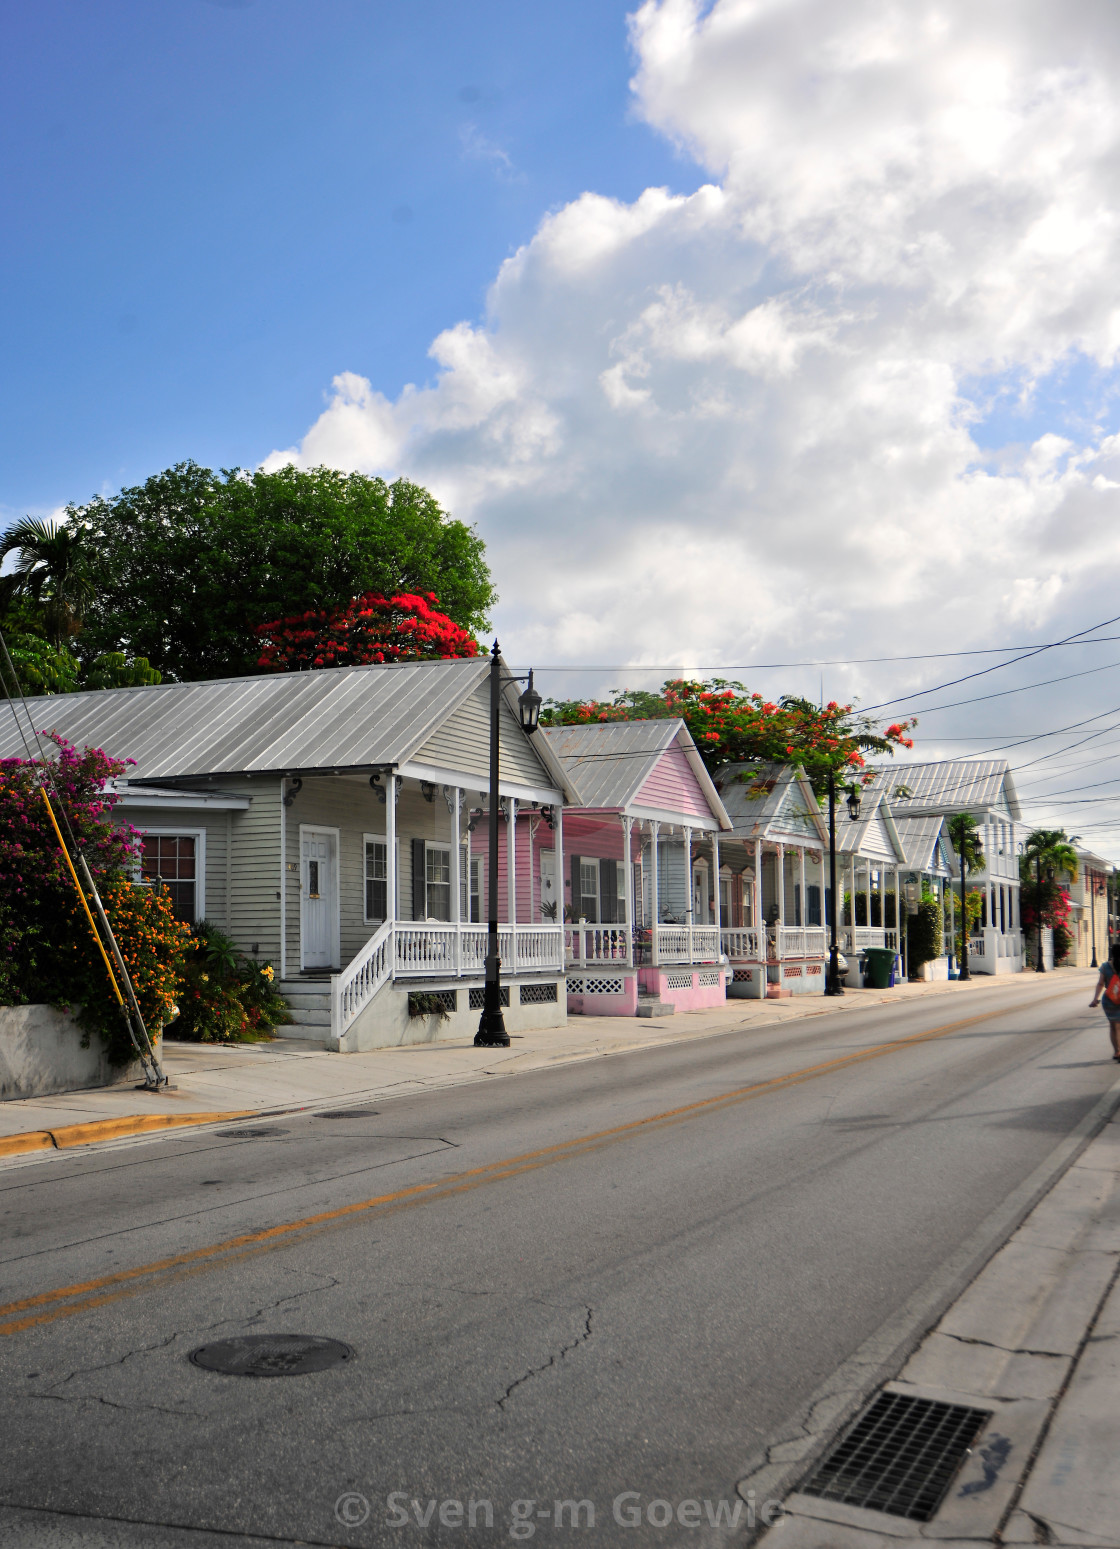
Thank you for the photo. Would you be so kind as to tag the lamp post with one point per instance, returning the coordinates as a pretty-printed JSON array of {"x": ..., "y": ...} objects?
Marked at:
[
  {"x": 1040, "y": 966},
  {"x": 964, "y": 972},
  {"x": 1093, "y": 915},
  {"x": 491, "y": 1024},
  {"x": 834, "y": 987}
]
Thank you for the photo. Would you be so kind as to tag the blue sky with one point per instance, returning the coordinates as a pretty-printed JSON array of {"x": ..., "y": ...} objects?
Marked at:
[{"x": 211, "y": 208}]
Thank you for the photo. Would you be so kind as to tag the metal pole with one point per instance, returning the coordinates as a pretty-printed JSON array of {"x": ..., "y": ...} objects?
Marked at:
[
  {"x": 964, "y": 971},
  {"x": 1040, "y": 966},
  {"x": 491, "y": 1024},
  {"x": 834, "y": 987},
  {"x": 1093, "y": 916}
]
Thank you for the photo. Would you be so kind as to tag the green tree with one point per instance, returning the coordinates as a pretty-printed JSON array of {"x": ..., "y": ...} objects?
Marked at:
[
  {"x": 188, "y": 564},
  {"x": 52, "y": 568},
  {"x": 1046, "y": 852}
]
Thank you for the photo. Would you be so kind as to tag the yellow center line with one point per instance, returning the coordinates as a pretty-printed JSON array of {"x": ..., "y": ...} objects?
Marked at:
[{"x": 68, "y": 1300}]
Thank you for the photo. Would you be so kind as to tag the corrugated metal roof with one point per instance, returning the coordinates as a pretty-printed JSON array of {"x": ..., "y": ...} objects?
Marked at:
[
  {"x": 768, "y": 801},
  {"x": 919, "y": 840},
  {"x": 342, "y": 717},
  {"x": 610, "y": 761},
  {"x": 956, "y": 785}
]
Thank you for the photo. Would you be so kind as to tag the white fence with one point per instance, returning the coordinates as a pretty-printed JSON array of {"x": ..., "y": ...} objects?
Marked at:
[
  {"x": 585, "y": 945},
  {"x": 742, "y": 944}
]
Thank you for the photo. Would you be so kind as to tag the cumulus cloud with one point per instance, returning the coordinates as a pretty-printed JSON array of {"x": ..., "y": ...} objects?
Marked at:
[{"x": 736, "y": 423}]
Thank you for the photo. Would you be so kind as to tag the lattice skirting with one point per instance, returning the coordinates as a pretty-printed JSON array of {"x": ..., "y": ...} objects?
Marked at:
[
  {"x": 709, "y": 977},
  {"x": 537, "y": 994},
  {"x": 742, "y": 975},
  {"x": 678, "y": 981},
  {"x": 814, "y": 968},
  {"x": 446, "y": 998},
  {"x": 478, "y": 997},
  {"x": 791, "y": 973}
]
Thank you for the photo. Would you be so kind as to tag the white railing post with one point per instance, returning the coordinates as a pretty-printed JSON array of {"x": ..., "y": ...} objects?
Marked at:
[
  {"x": 655, "y": 910},
  {"x": 336, "y": 1006},
  {"x": 511, "y": 877}
]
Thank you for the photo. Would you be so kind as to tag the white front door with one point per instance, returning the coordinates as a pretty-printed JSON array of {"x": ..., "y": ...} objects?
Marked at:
[
  {"x": 700, "y": 895},
  {"x": 318, "y": 899}
]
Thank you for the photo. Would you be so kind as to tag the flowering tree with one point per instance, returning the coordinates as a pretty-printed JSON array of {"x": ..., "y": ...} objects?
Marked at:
[
  {"x": 47, "y": 951},
  {"x": 731, "y": 725},
  {"x": 370, "y": 628}
]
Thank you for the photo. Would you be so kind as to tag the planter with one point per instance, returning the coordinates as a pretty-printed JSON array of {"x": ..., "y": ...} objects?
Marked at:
[{"x": 41, "y": 1052}]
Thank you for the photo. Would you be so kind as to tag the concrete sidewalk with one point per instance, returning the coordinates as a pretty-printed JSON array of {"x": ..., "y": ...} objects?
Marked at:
[{"x": 213, "y": 1082}]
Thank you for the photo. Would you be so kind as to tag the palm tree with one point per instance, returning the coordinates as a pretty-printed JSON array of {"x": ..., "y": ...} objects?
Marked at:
[
  {"x": 51, "y": 567},
  {"x": 962, "y": 831},
  {"x": 1049, "y": 851}
]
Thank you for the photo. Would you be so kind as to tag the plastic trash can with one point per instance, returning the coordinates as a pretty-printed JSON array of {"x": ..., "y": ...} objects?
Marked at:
[{"x": 880, "y": 963}]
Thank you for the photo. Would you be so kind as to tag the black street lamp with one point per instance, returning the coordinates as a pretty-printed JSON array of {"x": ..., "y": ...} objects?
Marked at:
[
  {"x": 833, "y": 986},
  {"x": 491, "y": 1024}
]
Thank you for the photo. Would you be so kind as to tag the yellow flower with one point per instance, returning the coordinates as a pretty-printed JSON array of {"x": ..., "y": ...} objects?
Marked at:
[{"x": 268, "y": 973}]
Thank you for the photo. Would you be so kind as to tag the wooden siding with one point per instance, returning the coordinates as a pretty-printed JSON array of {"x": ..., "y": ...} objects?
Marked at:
[
  {"x": 532, "y": 833},
  {"x": 673, "y": 787},
  {"x": 216, "y": 826},
  {"x": 255, "y": 870},
  {"x": 463, "y": 743}
]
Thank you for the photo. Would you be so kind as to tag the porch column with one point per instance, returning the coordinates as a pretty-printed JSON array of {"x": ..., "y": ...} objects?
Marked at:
[
  {"x": 869, "y": 899},
  {"x": 391, "y": 858},
  {"x": 715, "y": 894},
  {"x": 456, "y": 878},
  {"x": 511, "y": 877},
  {"x": 628, "y": 890},
  {"x": 756, "y": 910},
  {"x": 691, "y": 886},
  {"x": 558, "y": 862},
  {"x": 804, "y": 894},
  {"x": 655, "y": 905},
  {"x": 781, "y": 864}
]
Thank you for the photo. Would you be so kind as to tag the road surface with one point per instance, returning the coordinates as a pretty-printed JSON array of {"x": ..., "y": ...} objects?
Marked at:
[{"x": 607, "y": 1285}]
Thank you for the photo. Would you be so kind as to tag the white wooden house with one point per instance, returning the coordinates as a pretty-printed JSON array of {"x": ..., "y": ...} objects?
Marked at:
[{"x": 322, "y": 820}]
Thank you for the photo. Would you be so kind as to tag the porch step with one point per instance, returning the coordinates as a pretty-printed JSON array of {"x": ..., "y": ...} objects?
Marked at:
[
  {"x": 654, "y": 1006},
  {"x": 309, "y": 1008}
]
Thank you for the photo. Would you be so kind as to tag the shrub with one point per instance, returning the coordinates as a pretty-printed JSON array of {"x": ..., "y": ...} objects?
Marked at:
[
  {"x": 225, "y": 997},
  {"x": 923, "y": 933}
]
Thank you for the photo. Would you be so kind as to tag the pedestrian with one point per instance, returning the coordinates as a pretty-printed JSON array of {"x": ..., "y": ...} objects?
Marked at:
[{"x": 1108, "y": 984}]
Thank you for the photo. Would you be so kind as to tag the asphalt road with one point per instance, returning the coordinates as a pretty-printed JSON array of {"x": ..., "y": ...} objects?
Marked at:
[{"x": 610, "y": 1283}]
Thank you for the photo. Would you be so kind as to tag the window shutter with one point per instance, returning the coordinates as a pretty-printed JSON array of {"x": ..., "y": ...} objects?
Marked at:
[
  {"x": 419, "y": 898},
  {"x": 608, "y": 892}
]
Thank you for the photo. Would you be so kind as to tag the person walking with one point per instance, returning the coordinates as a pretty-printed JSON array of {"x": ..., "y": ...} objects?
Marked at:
[{"x": 1108, "y": 984}]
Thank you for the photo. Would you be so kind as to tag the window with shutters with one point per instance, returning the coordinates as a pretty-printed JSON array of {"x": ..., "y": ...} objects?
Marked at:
[
  {"x": 377, "y": 879},
  {"x": 588, "y": 904},
  {"x": 477, "y": 913}
]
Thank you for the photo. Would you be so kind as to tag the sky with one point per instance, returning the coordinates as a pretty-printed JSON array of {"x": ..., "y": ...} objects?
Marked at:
[{"x": 746, "y": 332}]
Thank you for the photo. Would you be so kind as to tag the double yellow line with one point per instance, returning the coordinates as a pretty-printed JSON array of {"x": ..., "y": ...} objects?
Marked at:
[{"x": 65, "y": 1302}]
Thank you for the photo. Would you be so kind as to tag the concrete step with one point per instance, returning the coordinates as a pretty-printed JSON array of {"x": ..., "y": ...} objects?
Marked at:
[
  {"x": 299, "y": 1000},
  {"x": 311, "y": 1016},
  {"x": 652, "y": 1006}
]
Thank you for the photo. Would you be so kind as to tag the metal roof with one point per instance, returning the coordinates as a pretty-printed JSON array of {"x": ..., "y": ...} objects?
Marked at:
[
  {"x": 955, "y": 785},
  {"x": 608, "y": 762},
  {"x": 920, "y": 841},
  {"x": 337, "y": 718}
]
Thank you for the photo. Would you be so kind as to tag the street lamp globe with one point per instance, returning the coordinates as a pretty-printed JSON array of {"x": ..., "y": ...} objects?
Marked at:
[
  {"x": 854, "y": 799},
  {"x": 529, "y": 707}
]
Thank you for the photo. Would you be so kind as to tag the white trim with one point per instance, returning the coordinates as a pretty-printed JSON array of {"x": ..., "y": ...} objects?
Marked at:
[
  {"x": 374, "y": 919},
  {"x": 674, "y": 819},
  {"x": 545, "y": 794},
  {"x": 199, "y": 837},
  {"x": 161, "y": 796},
  {"x": 333, "y": 903}
]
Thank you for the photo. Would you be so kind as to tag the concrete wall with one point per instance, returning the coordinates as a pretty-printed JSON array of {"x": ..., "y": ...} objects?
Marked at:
[
  {"x": 41, "y": 1052},
  {"x": 386, "y": 1024}
]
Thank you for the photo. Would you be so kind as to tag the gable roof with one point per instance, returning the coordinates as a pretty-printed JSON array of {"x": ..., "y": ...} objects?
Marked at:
[
  {"x": 609, "y": 762},
  {"x": 955, "y": 785},
  {"x": 333, "y": 719},
  {"x": 926, "y": 849},
  {"x": 771, "y": 801}
]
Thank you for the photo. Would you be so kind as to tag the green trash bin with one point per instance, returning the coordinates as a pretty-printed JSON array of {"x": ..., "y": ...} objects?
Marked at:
[{"x": 880, "y": 961}]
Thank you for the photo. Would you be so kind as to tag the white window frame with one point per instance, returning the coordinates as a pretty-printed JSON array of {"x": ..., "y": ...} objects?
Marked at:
[
  {"x": 373, "y": 919},
  {"x": 199, "y": 837},
  {"x": 593, "y": 862},
  {"x": 444, "y": 847}
]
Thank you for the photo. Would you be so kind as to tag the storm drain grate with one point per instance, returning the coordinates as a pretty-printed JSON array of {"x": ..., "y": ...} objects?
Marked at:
[
  {"x": 248, "y": 1134},
  {"x": 349, "y": 1113},
  {"x": 900, "y": 1456},
  {"x": 271, "y": 1355}
]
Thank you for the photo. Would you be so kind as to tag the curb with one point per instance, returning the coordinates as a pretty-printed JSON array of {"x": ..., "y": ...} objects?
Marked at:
[{"x": 67, "y": 1135}]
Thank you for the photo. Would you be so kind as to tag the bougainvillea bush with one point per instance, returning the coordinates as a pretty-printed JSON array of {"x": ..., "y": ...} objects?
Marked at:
[
  {"x": 731, "y": 725},
  {"x": 47, "y": 950},
  {"x": 370, "y": 628},
  {"x": 226, "y": 997}
]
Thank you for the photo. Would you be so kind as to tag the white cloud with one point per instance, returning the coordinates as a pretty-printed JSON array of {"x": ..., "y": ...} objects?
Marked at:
[{"x": 733, "y": 424}]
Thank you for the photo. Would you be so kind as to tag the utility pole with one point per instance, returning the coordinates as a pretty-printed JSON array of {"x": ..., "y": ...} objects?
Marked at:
[{"x": 833, "y": 987}]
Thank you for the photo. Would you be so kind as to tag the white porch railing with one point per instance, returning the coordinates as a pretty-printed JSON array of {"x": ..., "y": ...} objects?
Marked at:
[
  {"x": 855, "y": 937},
  {"x": 403, "y": 950},
  {"x": 597, "y": 944},
  {"x": 803, "y": 941},
  {"x": 685, "y": 944},
  {"x": 357, "y": 984},
  {"x": 741, "y": 944}
]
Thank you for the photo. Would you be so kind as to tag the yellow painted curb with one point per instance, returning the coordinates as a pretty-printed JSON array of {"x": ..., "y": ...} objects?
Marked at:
[{"x": 68, "y": 1135}]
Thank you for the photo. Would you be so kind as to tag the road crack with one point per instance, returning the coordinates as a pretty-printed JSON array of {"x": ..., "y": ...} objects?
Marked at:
[{"x": 553, "y": 1361}]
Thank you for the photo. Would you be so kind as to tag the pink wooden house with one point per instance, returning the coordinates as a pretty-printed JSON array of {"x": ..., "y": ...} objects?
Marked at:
[{"x": 640, "y": 843}]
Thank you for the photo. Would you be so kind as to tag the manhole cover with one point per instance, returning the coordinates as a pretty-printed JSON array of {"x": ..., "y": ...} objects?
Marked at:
[
  {"x": 248, "y": 1134},
  {"x": 900, "y": 1456},
  {"x": 350, "y": 1113},
  {"x": 271, "y": 1355}
]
